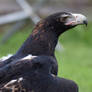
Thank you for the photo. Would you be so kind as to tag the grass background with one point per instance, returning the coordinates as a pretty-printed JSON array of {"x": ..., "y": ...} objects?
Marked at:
[{"x": 75, "y": 59}]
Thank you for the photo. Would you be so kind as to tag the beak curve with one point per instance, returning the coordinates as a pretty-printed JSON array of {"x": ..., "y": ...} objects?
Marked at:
[
  {"x": 80, "y": 19},
  {"x": 77, "y": 19},
  {"x": 85, "y": 22}
]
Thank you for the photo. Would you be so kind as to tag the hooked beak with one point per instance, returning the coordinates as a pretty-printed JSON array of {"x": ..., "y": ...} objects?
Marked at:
[{"x": 77, "y": 19}]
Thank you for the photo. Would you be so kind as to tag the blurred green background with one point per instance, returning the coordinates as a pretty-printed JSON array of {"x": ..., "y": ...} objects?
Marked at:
[{"x": 75, "y": 58}]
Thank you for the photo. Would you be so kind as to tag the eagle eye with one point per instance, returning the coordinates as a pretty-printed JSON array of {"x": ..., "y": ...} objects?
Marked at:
[{"x": 63, "y": 18}]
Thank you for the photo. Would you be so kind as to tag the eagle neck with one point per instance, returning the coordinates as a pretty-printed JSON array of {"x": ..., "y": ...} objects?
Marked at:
[{"x": 42, "y": 42}]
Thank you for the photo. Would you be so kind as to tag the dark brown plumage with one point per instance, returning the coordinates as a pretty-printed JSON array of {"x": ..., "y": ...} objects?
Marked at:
[
  {"x": 44, "y": 37},
  {"x": 35, "y": 76}
]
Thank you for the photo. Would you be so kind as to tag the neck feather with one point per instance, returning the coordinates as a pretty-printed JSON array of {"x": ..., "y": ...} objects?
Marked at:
[{"x": 40, "y": 42}]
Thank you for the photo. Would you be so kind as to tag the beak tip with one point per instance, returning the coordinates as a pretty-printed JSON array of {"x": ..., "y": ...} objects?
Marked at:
[
  {"x": 85, "y": 22},
  {"x": 80, "y": 19}
]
